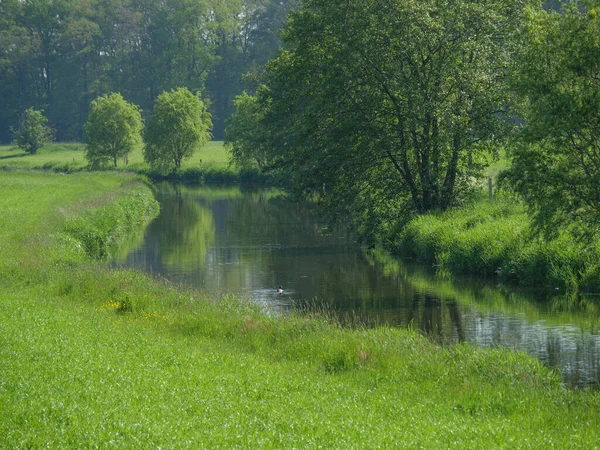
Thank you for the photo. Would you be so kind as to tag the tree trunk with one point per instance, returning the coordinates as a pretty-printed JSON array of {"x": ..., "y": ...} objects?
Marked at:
[{"x": 450, "y": 180}]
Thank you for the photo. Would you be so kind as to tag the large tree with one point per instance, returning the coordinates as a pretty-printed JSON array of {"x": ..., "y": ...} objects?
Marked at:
[
  {"x": 113, "y": 128},
  {"x": 387, "y": 105},
  {"x": 180, "y": 123},
  {"x": 556, "y": 161}
]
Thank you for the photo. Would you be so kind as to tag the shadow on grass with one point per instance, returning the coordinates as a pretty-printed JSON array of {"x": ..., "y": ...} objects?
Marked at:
[{"x": 17, "y": 155}]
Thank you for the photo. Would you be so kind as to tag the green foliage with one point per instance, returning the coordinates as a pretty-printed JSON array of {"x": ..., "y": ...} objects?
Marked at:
[
  {"x": 180, "y": 123},
  {"x": 495, "y": 240},
  {"x": 556, "y": 158},
  {"x": 33, "y": 132},
  {"x": 64, "y": 53},
  {"x": 401, "y": 97},
  {"x": 112, "y": 130},
  {"x": 244, "y": 136}
]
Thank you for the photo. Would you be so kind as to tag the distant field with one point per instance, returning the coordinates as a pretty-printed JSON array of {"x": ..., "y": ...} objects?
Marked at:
[
  {"x": 71, "y": 157},
  {"x": 498, "y": 165}
]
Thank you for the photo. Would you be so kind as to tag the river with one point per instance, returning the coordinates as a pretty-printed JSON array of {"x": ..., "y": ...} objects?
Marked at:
[{"x": 251, "y": 242}]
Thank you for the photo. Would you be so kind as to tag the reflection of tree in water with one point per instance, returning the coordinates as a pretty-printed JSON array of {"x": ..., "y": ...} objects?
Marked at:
[
  {"x": 260, "y": 240},
  {"x": 127, "y": 246},
  {"x": 349, "y": 284},
  {"x": 184, "y": 232},
  {"x": 274, "y": 219},
  {"x": 364, "y": 294}
]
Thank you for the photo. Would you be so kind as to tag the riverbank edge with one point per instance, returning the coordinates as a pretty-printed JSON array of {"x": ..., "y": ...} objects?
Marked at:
[
  {"x": 491, "y": 240},
  {"x": 495, "y": 240},
  {"x": 485, "y": 386},
  {"x": 488, "y": 240}
]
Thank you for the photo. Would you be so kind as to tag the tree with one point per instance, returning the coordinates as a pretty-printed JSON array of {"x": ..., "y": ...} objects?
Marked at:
[
  {"x": 33, "y": 132},
  {"x": 61, "y": 54},
  {"x": 243, "y": 134},
  {"x": 388, "y": 107},
  {"x": 247, "y": 35},
  {"x": 113, "y": 128},
  {"x": 556, "y": 159},
  {"x": 179, "y": 124},
  {"x": 16, "y": 48}
]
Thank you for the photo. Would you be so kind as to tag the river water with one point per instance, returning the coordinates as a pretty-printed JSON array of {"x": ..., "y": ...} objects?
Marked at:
[{"x": 251, "y": 242}]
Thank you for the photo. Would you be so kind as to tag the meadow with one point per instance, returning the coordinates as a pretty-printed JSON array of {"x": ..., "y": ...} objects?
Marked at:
[
  {"x": 209, "y": 163},
  {"x": 92, "y": 356}
]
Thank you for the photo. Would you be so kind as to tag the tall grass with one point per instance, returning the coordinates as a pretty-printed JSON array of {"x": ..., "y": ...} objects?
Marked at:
[
  {"x": 97, "y": 230},
  {"x": 495, "y": 239}
]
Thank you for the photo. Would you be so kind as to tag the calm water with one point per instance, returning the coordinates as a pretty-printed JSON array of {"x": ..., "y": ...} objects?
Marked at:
[{"x": 226, "y": 240}]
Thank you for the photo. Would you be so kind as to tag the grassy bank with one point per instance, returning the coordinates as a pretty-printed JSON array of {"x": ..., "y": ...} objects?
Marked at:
[
  {"x": 93, "y": 356},
  {"x": 494, "y": 239},
  {"x": 209, "y": 164}
]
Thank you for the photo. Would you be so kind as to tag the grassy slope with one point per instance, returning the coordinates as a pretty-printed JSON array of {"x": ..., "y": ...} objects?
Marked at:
[{"x": 95, "y": 357}]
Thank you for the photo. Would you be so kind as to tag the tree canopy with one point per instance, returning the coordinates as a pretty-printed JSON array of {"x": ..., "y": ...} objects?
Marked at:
[
  {"x": 58, "y": 55},
  {"x": 180, "y": 123},
  {"x": 113, "y": 128},
  {"x": 386, "y": 107},
  {"x": 556, "y": 158},
  {"x": 246, "y": 140}
]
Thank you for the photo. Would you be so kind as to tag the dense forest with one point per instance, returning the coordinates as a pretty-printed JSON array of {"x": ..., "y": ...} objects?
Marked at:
[{"x": 59, "y": 55}]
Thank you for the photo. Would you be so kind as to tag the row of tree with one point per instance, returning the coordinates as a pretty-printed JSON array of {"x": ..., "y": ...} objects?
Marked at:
[
  {"x": 59, "y": 55},
  {"x": 389, "y": 108},
  {"x": 179, "y": 125}
]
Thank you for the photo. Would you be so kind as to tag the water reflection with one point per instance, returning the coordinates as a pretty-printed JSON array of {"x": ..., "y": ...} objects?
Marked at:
[{"x": 226, "y": 240}]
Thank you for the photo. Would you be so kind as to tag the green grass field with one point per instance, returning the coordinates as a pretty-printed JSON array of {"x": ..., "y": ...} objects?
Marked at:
[
  {"x": 96, "y": 357},
  {"x": 71, "y": 157}
]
